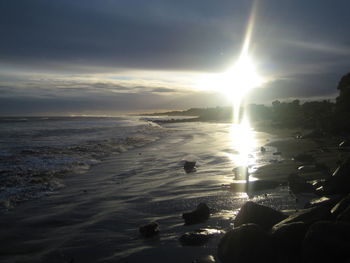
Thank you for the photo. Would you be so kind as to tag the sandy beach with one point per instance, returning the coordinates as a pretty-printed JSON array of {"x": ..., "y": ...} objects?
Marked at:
[{"x": 95, "y": 218}]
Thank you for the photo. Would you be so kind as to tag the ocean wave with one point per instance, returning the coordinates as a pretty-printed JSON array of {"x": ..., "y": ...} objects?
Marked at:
[{"x": 34, "y": 165}]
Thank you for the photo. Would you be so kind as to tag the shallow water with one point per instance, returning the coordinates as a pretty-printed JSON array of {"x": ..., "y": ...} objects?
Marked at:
[{"x": 95, "y": 218}]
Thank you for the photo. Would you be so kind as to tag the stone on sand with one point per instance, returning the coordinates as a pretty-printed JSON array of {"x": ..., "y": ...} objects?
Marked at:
[
  {"x": 149, "y": 230},
  {"x": 200, "y": 214},
  {"x": 261, "y": 215}
]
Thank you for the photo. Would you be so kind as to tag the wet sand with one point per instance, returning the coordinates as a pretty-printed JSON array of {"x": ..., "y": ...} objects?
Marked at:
[{"x": 95, "y": 218}]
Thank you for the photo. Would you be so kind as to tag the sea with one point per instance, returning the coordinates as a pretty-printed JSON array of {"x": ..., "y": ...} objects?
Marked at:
[{"x": 76, "y": 189}]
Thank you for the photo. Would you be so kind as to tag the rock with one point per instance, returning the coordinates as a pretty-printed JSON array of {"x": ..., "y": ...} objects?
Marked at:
[
  {"x": 308, "y": 216},
  {"x": 287, "y": 240},
  {"x": 199, "y": 215},
  {"x": 341, "y": 206},
  {"x": 327, "y": 241},
  {"x": 304, "y": 158},
  {"x": 189, "y": 166},
  {"x": 246, "y": 244},
  {"x": 339, "y": 182},
  {"x": 258, "y": 214},
  {"x": 344, "y": 146},
  {"x": 324, "y": 200},
  {"x": 298, "y": 184},
  {"x": 206, "y": 259},
  {"x": 198, "y": 238},
  {"x": 277, "y": 153},
  {"x": 345, "y": 215},
  {"x": 149, "y": 230},
  {"x": 262, "y": 149}
]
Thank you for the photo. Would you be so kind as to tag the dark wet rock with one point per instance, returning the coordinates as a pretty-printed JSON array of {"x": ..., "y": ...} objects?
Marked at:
[
  {"x": 308, "y": 216},
  {"x": 205, "y": 259},
  {"x": 344, "y": 146},
  {"x": 297, "y": 184},
  {"x": 262, "y": 149},
  {"x": 199, "y": 237},
  {"x": 327, "y": 241},
  {"x": 246, "y": 244},
  {"x": 304, "y": 158},
  {"x": 345, "y": 215},
  {"x": 189, "y": 166},
  {"x": 324, "y": 200},
  {"x": 342, "y": 205},
  {"x": 199, "y": 215},
  {"x": 258, "y": 214},
  {"x": 149, "y": 230},
  {"x": 277, "y": 153},
  {"x": 287, "y": 241},
  {"x": 339, "y": 182},
  {"x": 254, "y": 186}
]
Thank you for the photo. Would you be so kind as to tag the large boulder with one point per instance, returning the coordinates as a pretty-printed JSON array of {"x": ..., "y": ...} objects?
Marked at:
[
  {"x": 327, "y": 241},
  {"x": 287, "y": 240},
  {"x": 258, "y": 214},
  {"x": 246, "y": 244},
  {"x": 308, "y": 216},
  {"x": 341, "y": 206},
  {"x": 200, "y": 214}
]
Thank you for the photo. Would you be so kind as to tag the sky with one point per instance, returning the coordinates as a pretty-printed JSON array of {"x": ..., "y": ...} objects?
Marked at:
[{"x": 63, "y": 57}]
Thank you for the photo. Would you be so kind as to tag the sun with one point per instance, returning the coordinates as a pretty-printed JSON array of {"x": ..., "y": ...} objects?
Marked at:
[{"x": 235, "y": 83}]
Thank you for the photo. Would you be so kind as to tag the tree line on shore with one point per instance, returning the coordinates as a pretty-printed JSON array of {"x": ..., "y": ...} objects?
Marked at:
[{"x": 326, "y": 116}]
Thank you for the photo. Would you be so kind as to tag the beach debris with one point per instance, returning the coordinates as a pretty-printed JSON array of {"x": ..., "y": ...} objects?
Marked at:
[
  {"x": 308, "y": 216},
  {"x": 199, "y": 215},
  {"x": 287, "y": 240},
  {"x": 297, "y": 184},
  {"x": 198, "y": 237},
  {"x": 246, "y": 244},
  {"x": 149, "y": 230},
  {"x": 205, "y": 259},
  {"x": 189, "y": 166},
  {"x": 261, "y": 215},
  {"x": 327, "y": 242}
]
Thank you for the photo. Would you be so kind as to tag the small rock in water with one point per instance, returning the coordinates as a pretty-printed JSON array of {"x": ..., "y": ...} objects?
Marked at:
[
  {"x": 199, "y": 215},
  {"x": 189, "y": 166},
  {"x": 149, "y": 229},
  {"x": 262, "y": 149},
  {"x": 206, "y": 259},
  {"x": 277, "y": 153},
  {"x": 198, "y": 238}
]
